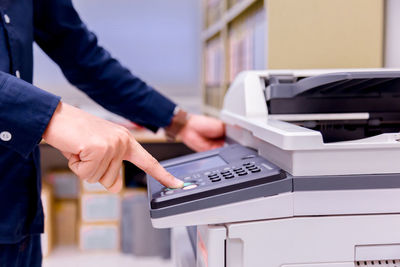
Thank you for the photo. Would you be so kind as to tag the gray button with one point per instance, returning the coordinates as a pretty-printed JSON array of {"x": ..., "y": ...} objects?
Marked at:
[
  {"x": 5, "y": 136},
  {"x": 7, "y": 19},
  {"x": 17, "y": 74},
  {"x": 169, "y": 192}
]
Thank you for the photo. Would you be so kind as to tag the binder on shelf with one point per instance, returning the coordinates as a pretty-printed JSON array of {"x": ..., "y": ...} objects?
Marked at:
[
  {"x": 214, "y": 63},
  {"x": 247, "y": 44},
  {"x": 214, "y": 11}
]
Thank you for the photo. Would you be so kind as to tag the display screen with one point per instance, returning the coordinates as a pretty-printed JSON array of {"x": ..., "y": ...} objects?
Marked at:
[{"x": 190, "y": 167}]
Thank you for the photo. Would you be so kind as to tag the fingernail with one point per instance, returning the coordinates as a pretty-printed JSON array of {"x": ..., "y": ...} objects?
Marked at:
[{"x": 178, "y": 183}]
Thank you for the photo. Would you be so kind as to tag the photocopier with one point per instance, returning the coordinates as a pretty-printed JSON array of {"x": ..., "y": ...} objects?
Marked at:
[{"x": 309, "y": 175}]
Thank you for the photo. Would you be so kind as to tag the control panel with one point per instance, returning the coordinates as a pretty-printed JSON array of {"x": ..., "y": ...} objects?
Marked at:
[{"x": 207, "y": 175}]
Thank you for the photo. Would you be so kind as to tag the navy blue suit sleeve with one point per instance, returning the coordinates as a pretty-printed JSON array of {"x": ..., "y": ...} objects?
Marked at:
[
  {"x": 65, "y": 38},
  {"x": 25, "y": 112}
]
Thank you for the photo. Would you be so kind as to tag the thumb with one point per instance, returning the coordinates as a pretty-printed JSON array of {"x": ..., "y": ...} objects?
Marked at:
[{"x": 73, "y": 161}]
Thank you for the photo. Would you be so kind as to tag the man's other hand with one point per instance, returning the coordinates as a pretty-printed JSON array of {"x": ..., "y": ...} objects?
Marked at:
[
  {"x": 202, "y": 133},
  {"x": 95, "y": 148}
]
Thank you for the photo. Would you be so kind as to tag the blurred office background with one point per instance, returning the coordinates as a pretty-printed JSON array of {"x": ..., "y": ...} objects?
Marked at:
[
  {"x": 157, "y": 40},
  {"x": 190, "y": 50}
]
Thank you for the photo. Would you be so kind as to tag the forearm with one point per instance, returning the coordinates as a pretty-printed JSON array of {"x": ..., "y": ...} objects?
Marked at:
[{"x": 60, "y": 32}]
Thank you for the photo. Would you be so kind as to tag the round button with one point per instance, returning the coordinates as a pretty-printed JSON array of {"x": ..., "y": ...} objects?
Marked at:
[
  {"x": 169, "y": 192},
  {"x": 190, "y": 187},
  {"x": 5, "y": 136}
]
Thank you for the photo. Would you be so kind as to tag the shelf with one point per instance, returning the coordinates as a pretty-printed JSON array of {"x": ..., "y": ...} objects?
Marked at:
[
  {"x": 215, "y": 112},
  {"x": 238, "y": 9},
  {"x": 230, "y": 15},
  {"x": 213, "y": 30}
]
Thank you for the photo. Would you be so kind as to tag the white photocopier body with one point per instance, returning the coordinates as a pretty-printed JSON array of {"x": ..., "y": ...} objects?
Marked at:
[{"x": 343, "y": 205}]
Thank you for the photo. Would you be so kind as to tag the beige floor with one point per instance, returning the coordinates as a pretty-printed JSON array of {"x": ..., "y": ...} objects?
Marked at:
[{"x": 72, "y": 257}]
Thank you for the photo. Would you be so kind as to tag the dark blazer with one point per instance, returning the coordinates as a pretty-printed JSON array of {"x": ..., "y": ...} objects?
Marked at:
[{"x": 25, "y": 110}]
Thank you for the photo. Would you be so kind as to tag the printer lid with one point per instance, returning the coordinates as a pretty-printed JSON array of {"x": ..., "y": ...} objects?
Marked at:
[{"x": 340, "y": 92}]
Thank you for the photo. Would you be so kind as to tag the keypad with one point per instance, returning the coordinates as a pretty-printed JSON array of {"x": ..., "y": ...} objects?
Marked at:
[
  {"x": 217, "y": 176},
  {"x": 252, "y": 167},
  {"x": 230, "y": 173}
]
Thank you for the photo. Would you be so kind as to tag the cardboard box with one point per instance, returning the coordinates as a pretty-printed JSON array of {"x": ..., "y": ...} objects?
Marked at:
[
  {"x": 47, "y": 236},
  {"x": 92, "y": 188},
  {"x": 100, "y": 208},
  {"x": 99, "y": 237},
  {"x": 65, "y": 184},
  {"x": 66, "y": 220}
]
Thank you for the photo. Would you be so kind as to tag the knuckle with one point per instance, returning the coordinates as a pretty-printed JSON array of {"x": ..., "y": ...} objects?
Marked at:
[{"x": 100, "y": 146}]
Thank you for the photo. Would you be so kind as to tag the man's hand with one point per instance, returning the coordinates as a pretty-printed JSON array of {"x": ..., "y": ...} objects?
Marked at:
[
  {"x": 95, "y": 148},
  {"x": 202, "y": 133}
]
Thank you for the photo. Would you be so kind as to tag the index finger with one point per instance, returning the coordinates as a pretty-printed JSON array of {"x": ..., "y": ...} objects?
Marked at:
[{"x": 137, "y": 155}]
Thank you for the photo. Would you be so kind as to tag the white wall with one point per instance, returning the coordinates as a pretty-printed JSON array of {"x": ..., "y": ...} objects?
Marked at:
[
  {"x": 156, "y": 39},
  {"x": 392, "y": 50}
]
